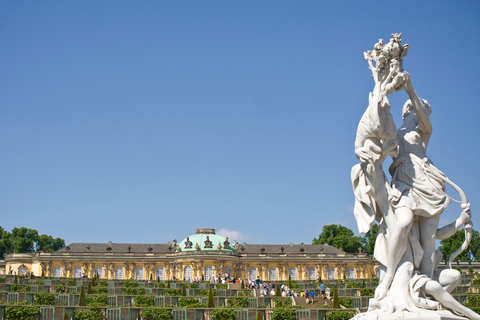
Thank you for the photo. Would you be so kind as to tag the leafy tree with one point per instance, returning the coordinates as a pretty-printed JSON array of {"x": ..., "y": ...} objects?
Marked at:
[
  {"x": 210, "y": 303},
  {"x": 452, "y": 244},
  {"x": 336, "y": 301},
  {"x": 184, "y": 290},
  {"x": 369, "y": 239},
  {"x": 47, "y": 243},
  {"x": 82, "y": 301},
  {"x": 259, "y": 315},
  {"x": 339, "y": 236},
  {"x": 89, "y": 288},
  {"x": 24, "y": 239}
]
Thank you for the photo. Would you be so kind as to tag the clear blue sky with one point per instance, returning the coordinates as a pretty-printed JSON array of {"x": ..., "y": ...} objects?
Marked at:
[{"x": 133, "y": 121}]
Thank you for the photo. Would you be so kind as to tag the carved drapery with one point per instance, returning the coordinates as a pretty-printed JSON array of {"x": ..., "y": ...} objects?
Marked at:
[
  {"x": 222, "y": 268},
  {"x": 64, "y": 269},
  {"x": 147, "y": 271},
  {"x": 49, "y": 270},
  {"x": 91, "y": 270},
  {"x": 111, "y": 271},
  {"x": 43, "y": 268},
  {"x": 132, "y": 270},
  {"x": 280, "y": 272},
  {"x": 325, "y": 271}
]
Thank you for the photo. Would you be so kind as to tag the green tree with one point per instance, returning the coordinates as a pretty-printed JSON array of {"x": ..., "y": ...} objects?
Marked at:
[
  {"x": 336, "y": 301},
  {"x": 65, "y": 316},
  {"x": 259, "y": 315},
  {"x": 452, "y": 244},
  {"x": 89, "y": 288},
  {"x": 184, "y": 290},
  {"x": 24, "y": 239},
  {"x": 82, "y": 300},
  {"x": 370, "y": 238},
  {"x": 47, "y": 243},
  {"x": 210, "y": 303},
  {"x": 340, "y": 237}
]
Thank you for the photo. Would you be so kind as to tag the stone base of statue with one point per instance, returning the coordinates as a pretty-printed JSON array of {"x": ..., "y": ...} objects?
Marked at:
[{"x": 406, "y": 315}]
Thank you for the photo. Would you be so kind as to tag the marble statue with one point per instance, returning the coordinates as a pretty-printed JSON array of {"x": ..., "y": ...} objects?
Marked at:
[{"x": 408, "y": 207}]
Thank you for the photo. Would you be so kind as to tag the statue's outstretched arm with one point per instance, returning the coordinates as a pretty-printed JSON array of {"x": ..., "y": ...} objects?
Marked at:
[{"x": 448, "y": 230}]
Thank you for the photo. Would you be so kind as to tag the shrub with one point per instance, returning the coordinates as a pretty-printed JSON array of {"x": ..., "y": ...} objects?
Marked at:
[
  {"x": 44, "y": 298},
  {"x": 171, "y": 292},
  {"x": 89, "y": 288},
  {"x": 184, "y": 290},
  {"x": 346, "y": 302},
  {"x": 143, "y": 301},
  {"x": 94, "y": 313},
  {"x": 336, "y": 301},
  {"x": 65, "y": 316},
  {"x": 259, "y": 315},
  {"x": 284, "y": 314},
  {"x": 21, "y": 313},
  {"x": 283, "y": 303},
  {"x": 366, "y": 292},
  {"x": 223, "y": 314},
  {"x": 193, "y": 285},
  {"x": 238, "y": 302},
  {"x": 15, "y": 287},
  {"x": 131, "y": 291},
  {"x": 130, "y": 284},
  {"x": 150, "y": 313},
  {"x": 339, "y": 315},
  {"x": 81, "y": 300},
  {"x": 190, "y": 302},
  {"x": 210, "y": 303},
  {"x": 97, "y": 300}
]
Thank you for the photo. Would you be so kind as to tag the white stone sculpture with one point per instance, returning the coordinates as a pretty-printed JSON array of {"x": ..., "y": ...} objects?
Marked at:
[{"x": 407, "y": 208}]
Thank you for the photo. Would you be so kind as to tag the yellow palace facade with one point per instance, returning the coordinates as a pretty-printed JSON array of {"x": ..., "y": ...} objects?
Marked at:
[{"x": 203, "y": 255}]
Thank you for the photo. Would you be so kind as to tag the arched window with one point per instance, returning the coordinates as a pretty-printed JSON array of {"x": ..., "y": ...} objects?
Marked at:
[
  {"x": 187, "y": 273},
  {"x": 99, "y": 272},
  {"x": 77, "y": 272},
  {"x": 311, "y": 274},
  {"x": 118, "y": 272},
  {"x": 208, "y": 273},
  {"x": 139, "y": 273},
  {"x": 293, "y": 273},
  {"x": 252, "y": 273},
  {"x": 331, "y": 273},
  {"x": 22, "y": 271},
  {"x": 272, "y": 274},
  {"x": 228, "y": 270},
  {"x": 57, "y": 272},
  {"x": 160, "y": 273},
  {"x": 350, "y": 273}
]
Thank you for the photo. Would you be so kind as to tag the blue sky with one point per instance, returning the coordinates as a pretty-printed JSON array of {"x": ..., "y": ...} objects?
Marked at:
[{"x": 140, "y": 122}]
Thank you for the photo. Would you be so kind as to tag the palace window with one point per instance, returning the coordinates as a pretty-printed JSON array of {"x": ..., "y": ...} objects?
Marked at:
[
  {"x": 208, "y": 273},
  {"x": 77, "y": 272},
  {"x": 160, "y": 273},
  {"x": 228, "y": 270},
  {"x": 350, "y": 273},
  {"x": 119, "y": 273},
  {"x": 22, "y": 271},
  {"x": 311, "y": 274},
  {"x": 139, "y": 273},
  {"x": 187, "y": 273},
  {"x": 57, "y": 272},
  {"x": 99, "y": 272},
  {"x": 252, "y": 273},
  {"x": 272, "y": 274},
  {"x": 331, "y": 273},
  {"x": 293, "y": 273}
]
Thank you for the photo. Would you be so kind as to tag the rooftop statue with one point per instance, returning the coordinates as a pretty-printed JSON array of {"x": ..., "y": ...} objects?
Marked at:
[{"x": 407, "y": 208}]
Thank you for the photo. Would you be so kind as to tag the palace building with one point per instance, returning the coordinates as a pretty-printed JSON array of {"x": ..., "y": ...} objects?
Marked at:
[{"x": 202, "y": 254}]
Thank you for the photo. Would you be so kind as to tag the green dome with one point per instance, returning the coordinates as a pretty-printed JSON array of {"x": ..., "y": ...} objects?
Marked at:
[{"x": 207, "y": 240}]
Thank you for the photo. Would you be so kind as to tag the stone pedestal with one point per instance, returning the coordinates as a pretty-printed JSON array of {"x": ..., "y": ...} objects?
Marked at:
[{"x": 405, "y": 315}]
